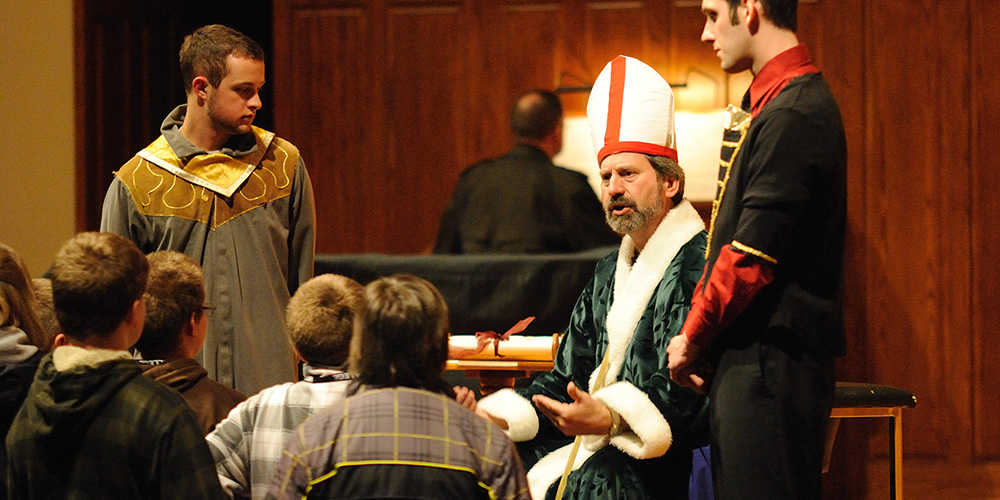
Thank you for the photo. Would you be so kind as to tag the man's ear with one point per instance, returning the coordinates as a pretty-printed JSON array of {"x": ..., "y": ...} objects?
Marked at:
[
  {"x": 753, "y": 15},
  {"x": 137, "y": 315},
  {"x": 189, "y": 327},
  {"x": 60, "y": 340},
  {"x": 671, "y": 187},
  {"x": 199, "y": 86}
]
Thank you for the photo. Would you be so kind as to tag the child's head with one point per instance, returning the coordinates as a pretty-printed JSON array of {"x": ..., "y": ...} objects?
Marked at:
[
  {"x": 321, "y": 318},
  {"x": 97, "y": 281},
  {"x": 403, "y": 339},
  {"x": 175, "y": 307}
]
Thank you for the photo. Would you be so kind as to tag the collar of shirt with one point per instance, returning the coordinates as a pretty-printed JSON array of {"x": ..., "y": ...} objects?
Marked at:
[
  {"x": 775, "y": 74},
  {"x": 236, "y": 146},
  {"x": 321, "y": 373}
]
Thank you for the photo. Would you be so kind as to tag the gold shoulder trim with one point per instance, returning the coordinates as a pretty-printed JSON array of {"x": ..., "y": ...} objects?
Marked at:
[
  {"x": 753, "y": 251},
  {"x": 158, "y": 192},
  {"x": 736, "y": 123}
]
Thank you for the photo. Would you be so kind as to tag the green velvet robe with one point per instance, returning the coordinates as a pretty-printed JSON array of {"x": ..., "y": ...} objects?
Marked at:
[{"x": 642, "y": 384}]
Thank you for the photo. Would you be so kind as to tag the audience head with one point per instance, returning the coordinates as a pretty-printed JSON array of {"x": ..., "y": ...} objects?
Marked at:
[
  {"x": 536, "y": 115},
  {"x": 322, "y": 317},
  {"x": 403, "y": 336},
  {"x": 175, "y": 324},
  {"x": 18, "y": 305},
  {"x": 206, "y": 52},
  {"x": 46, "y": 309},
  {"x": 97, "y": 284}
]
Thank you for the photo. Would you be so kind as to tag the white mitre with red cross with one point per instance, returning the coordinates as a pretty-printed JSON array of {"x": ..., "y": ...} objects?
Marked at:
[{"x": 631, "y": 108}]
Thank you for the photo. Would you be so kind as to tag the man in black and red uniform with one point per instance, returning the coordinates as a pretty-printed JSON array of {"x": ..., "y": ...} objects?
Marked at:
[{"x": 765, "y": 321}]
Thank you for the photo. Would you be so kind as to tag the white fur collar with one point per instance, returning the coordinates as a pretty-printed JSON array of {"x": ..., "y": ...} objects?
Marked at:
[{"x": 636, "y": 282}]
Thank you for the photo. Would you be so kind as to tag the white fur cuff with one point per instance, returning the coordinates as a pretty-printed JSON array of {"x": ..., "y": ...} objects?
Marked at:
[
  {"x": 649, "y": 435},
  {"x": 522, "y": 421}
]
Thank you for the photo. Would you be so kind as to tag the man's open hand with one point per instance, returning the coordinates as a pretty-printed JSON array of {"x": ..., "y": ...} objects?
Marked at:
[{"x": 585, "y": 415}]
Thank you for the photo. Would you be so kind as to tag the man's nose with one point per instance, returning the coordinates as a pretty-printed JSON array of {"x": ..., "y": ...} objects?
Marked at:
[
  {"x": 615, "y": 185},
  {"x": 255, "y": 102}
]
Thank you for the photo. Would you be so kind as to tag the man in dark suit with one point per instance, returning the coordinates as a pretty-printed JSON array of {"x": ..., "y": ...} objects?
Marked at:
[{"x": 521, "y": 202}]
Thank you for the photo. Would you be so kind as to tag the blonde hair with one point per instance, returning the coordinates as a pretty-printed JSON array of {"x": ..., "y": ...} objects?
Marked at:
[
  {"x": 321, "y": 318},
  {"x": 18, "y": 304}
]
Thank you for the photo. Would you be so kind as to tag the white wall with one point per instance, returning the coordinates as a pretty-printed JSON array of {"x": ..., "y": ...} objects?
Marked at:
[
  {"x": 699, "y": 137},
  {"x": 37, "y": 172}
]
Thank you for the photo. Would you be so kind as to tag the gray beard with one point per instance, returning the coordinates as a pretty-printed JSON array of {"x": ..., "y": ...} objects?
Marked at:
[{"x": 625, "y": 224}]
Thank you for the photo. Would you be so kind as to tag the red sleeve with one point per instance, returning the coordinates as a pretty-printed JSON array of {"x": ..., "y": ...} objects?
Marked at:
[{"x": 735, "y": 280}]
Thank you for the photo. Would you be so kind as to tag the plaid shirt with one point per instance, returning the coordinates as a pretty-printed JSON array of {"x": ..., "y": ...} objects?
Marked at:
[
  {"x": 247, "y": 445},
  {"x": 399, "y": 443}
]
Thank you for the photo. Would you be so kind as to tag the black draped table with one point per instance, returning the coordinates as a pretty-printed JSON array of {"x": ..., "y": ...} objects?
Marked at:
[{"x": 486, "y": 291}]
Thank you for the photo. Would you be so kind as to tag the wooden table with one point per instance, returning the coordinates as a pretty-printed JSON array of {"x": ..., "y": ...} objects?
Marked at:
[{"x": 494, "y": 375}]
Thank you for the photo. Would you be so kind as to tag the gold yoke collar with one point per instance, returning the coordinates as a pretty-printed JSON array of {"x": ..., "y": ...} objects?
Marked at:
[{"x": 217, "y": 172}]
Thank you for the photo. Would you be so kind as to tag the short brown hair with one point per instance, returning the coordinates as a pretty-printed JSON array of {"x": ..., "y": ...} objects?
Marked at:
[
  {"x": 18, "y": 305},
  {"x": 782, "y": 13},
  {"x": 204, "y": 53},
  {"x": 403, "y": 339},
  {"x": 175, "y": 291},
  {"x": 322, "y": 316},
  {"x": 96, "y": 277},
  {"x": 668, "y": 168}
]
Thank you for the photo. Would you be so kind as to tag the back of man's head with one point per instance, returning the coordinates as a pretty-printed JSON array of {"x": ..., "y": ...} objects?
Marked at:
[
  {"x": 96, "y": 279},
  {"x": 322, "y": 317},
  {"x": 403, "y": 336},
  {"x": 782, "y": 13},
  {"x": 175, "y": 293},
  {"x": 535, "y": 115},
  {"x": 204, "y": 52}
]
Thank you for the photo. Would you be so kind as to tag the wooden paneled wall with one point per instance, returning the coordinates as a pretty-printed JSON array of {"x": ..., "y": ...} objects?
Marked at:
[{"x": 390, "y": 100}]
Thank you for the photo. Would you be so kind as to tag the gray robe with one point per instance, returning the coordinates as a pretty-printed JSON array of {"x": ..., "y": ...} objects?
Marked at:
[{"x": 256, "y": 246}]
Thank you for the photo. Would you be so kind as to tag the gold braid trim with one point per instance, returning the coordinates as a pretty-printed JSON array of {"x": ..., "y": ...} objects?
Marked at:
[
  {"x": 737, "y": 121},
  {"x": 753, "y": 251}
]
